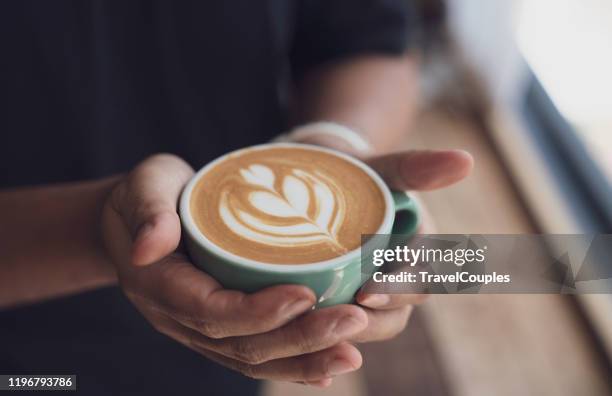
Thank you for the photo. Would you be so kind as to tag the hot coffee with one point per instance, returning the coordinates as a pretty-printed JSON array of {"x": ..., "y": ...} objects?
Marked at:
[{"x": 286, "y": 205}]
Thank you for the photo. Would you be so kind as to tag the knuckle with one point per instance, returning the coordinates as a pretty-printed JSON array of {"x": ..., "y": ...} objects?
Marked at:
[
  {"x": 257, "y": 309},
  {"x": 302, "y": 337},
  {"x": 251, "y": 308},
  {"x": 149, "y": 207},
  {"x": 201, "y": 320},
  {"x": 165, "y": 280},
  {"x": 207, "y": 326},
  {"x": 209, "y": 329},
  {"x": 244, "y": 351}
]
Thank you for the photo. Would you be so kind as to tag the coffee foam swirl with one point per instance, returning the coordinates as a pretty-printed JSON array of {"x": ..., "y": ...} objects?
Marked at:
[{"x": 286, "y": 207}]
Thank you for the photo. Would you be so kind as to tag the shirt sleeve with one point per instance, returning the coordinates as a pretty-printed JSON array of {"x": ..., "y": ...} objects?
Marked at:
[{"x": 328, "y": 30}]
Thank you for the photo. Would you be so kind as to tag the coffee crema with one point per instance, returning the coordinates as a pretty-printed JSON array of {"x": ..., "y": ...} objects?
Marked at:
[{"x": 286, "y": 205}]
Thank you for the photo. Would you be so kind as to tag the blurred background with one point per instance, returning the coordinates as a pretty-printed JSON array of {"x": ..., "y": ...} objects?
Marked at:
[{"x": 526, "y": 87}]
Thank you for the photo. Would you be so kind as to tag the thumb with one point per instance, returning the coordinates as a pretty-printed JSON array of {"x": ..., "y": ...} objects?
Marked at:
[
  {"x": 424, "y": 169},
  {"x": 147, "y": 201}
]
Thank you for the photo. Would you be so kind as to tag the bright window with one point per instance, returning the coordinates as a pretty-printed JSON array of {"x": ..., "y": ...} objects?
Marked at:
[{"x": 568, "y": 45}]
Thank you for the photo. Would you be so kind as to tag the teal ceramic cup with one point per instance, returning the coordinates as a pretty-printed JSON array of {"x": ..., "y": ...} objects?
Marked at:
[{"x": 334, "y": 281}]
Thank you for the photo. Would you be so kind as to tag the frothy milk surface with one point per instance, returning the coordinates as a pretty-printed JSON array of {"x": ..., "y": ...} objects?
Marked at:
[{"x": 287, "y": 205}]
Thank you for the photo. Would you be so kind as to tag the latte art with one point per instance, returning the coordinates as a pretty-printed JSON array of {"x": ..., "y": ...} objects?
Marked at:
[
  {"x": 286, "y": 205},
  {"x": 307, "y": 209}
]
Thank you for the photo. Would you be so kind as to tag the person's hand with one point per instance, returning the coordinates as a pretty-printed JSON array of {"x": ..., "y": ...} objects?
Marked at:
[
  {"x": 416, "y": 171},
  {"x": 423, "y": 170},
  {"x": 267, "y": 334}
]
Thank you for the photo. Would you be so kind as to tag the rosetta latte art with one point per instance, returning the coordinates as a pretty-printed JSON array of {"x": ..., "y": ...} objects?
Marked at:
[
  {"x": 293, "y": 208},
  {"x": 286, "y": 205}
]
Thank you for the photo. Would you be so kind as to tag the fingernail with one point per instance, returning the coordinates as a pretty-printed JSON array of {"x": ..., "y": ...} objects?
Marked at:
[
  {"x": 376, "y": 300},
  {"x": 297, "y": 307},
  {"x": 339, "y": 366},
  {"x": 348, "y": 325}
]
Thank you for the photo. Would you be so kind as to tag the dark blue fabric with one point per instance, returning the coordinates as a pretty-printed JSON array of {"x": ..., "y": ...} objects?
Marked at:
[{"x": 89, "y": 88}]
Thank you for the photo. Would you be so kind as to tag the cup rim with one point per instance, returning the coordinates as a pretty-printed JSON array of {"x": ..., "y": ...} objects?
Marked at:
[{"x": 199, "y": 237}]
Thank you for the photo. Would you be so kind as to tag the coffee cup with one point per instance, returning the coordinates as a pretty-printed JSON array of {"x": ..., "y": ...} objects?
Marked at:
[{"x": 288, "y": 213}]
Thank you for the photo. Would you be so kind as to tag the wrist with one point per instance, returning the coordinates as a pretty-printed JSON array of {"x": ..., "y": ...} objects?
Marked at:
[
  {"x": 105, "y": 266},
  {"x": 331, "y": 135}
]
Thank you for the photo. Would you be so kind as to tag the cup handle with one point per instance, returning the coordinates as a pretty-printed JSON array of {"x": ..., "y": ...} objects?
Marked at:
[{"x": 406, "y": 214}]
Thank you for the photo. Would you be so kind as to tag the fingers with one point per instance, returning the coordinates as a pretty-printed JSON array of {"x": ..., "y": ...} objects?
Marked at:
[
  {"x": 312, "y": 368},
  {"x": 228, "y": 313},
  {"x": 427, "y": 224},
  {"x": 316, "y": 331},
  {"x": 313, "y": 332},
  {"x": 324, "y": 383},
  {"x": 386, "y": 324},
  {"x": 337, "y": 360},
  {"x": 369, "y": 295},
  {"x": 423, "y": 170},
  {"x": 175, "y": 287},
  {"x": 389, "y": 301},
  {"x": 147, "y": 201},
  {"x": 315, "y": 368}
]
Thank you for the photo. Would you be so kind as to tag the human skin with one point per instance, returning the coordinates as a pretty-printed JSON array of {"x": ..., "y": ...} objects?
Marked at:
[{"x": 67, "y": 238}]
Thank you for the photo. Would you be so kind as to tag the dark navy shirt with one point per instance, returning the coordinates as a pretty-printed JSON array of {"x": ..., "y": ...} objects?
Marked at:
[{"x": 89, "y": 88}]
